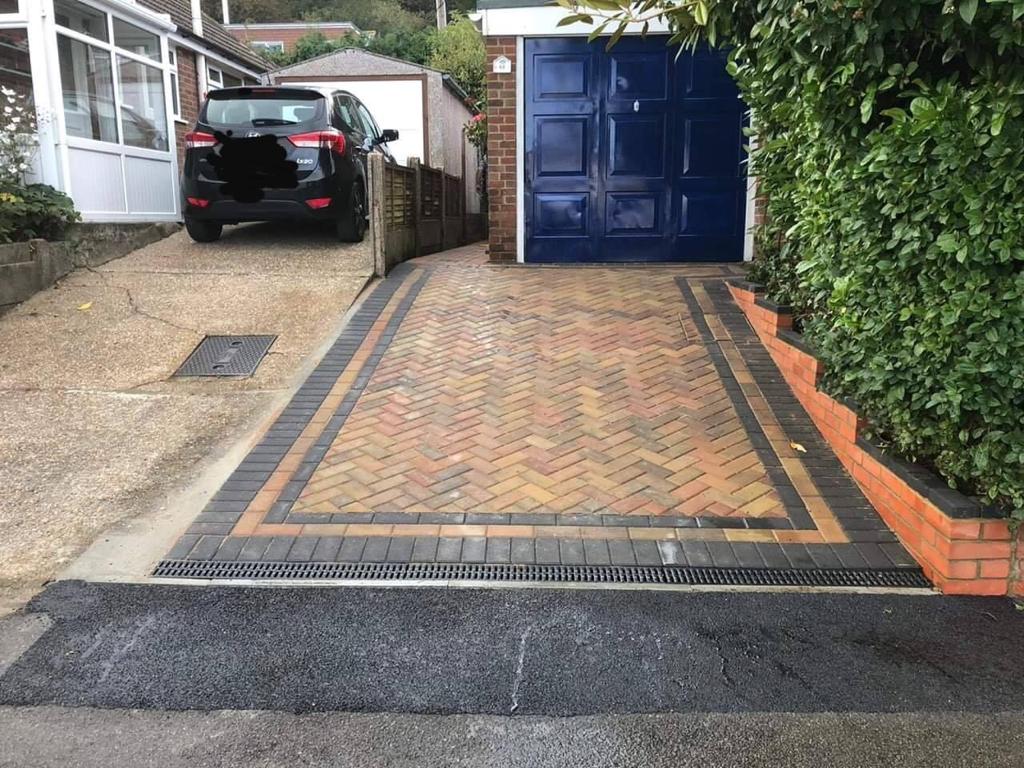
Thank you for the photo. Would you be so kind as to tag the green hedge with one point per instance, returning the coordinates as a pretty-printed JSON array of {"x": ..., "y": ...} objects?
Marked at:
[{"x": 894, "y": 173}]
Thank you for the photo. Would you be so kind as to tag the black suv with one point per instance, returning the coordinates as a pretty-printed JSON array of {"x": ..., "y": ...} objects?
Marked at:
[{"x": 264, "y": 153}]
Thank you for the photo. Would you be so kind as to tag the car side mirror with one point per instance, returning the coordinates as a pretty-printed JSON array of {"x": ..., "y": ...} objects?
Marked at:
[{"x": 388, "y": 134}]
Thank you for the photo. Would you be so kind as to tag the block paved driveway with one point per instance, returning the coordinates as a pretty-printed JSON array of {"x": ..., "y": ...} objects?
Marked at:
[{"x": 473, "y": 413}]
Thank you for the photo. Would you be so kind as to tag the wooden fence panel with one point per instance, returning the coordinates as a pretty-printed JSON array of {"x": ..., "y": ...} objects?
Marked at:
[{"x": 415, "y": 210}]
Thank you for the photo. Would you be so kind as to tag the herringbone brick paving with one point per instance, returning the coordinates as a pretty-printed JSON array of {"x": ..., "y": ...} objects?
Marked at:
[
  {"x": 533, "y": 391},
  {"x": 471, "y": 413}
]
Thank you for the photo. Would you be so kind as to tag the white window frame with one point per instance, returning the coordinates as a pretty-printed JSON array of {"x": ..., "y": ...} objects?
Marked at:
[
  {"x": 215, "y": 81},
  {"x": 119, "y": 147},
  {"x": 275, "y": 46},
  {"x": 18, "y": 14},
  {"x": 114, "y": 52},
  {"x": 172, "y": 60}
]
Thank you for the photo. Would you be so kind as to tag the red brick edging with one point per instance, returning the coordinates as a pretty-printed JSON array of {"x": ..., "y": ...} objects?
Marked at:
[{"x": 960, "y": 549}]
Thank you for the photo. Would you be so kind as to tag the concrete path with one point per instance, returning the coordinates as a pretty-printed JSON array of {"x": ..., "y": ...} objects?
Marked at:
[{"x": 95, "y": 431}]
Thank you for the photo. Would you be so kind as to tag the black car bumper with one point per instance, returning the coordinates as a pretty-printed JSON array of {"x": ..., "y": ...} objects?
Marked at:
[{"x": 276, "y": 205}]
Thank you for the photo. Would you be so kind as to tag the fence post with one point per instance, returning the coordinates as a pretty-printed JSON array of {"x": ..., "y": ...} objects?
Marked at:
[
  {"x": 444, "y": 209},
  {"x": 377, "y": 201},
  {"x": 417, "y": 204}
]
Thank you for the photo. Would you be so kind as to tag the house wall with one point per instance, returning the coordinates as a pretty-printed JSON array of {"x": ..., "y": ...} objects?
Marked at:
[
  {"x": 460, "y": 156},
  {"x": 287, "y": 35},
  {"x": 502, "y": 176},
  {"x": 188, "y": 90}
]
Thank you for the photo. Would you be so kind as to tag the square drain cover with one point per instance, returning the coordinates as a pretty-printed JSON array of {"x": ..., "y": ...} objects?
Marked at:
[{"x": 226, "y": 356}]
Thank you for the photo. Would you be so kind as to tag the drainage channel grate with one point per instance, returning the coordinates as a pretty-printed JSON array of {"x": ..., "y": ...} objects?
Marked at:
[
  {"x": 565, "y": 574},
  {"x": 226, "y": 356}
]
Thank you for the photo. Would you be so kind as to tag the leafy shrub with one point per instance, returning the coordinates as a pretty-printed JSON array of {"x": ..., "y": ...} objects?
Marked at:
[
  {"x": 36, "y": 210},
  {"x": 890, "y": 151}
]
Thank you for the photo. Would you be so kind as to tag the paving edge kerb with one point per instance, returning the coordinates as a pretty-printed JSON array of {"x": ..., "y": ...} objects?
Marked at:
[{"x": 963, "y": 546}]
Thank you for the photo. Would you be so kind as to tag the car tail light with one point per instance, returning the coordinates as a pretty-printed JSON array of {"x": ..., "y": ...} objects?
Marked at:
[
  {"x": 333, "y": 140},
  {"x": 318, "y": 202},
  {"x": 197, "y": 202},
  {"x": 199, "y": 140}
]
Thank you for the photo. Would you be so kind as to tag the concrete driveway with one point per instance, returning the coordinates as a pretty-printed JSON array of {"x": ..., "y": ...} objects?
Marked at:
[{"x": 95, "y": 430}]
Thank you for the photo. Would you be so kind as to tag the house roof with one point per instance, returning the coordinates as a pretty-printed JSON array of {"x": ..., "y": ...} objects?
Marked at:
[
  {"x": 214, "y": 33},
  {"x": 369, "y": 63},
  {"x": 313, "y": 25},
  {"x": 322, "y": 64}
]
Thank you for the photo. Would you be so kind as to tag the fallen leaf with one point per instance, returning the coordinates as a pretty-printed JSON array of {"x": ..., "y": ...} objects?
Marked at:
[
  {"x": 87, "y": 305},
  {"x": 798, "y": 447}
]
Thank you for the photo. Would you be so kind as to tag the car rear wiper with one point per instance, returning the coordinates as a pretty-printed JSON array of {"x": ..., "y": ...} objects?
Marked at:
[{"x": 259, "y": 122}]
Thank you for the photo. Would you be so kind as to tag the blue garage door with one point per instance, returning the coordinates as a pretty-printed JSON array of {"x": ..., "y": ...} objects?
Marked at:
[{"x": 632, "y": 154}]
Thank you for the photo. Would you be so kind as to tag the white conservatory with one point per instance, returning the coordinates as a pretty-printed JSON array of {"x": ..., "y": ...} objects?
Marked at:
[{"x": 102, "y": 77}]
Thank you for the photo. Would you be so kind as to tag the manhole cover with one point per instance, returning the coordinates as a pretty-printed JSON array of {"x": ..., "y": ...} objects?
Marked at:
[{"x": 226, "y": 356}]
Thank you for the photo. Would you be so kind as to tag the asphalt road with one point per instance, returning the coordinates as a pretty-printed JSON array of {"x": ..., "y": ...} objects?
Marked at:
[{"x": 517, "y": 652}]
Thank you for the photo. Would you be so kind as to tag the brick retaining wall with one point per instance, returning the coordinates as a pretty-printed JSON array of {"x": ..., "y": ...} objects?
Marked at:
[{"x": 962, "y": 547}]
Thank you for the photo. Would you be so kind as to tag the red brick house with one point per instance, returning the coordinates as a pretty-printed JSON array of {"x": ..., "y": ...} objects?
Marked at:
[{"x": 281, "y": 37}]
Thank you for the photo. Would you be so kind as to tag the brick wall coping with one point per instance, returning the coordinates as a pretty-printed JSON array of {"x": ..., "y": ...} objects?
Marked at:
[{"x": 949, "y": 501}]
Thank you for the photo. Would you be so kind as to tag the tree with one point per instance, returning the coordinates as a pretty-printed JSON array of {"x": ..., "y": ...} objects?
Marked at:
[
  {"x": 459, "y": 51},
  {"x": 369, "y": 15}
]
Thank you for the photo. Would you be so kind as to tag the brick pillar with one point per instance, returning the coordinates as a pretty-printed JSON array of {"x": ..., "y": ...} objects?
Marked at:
[{"x": 501, "y": 151}]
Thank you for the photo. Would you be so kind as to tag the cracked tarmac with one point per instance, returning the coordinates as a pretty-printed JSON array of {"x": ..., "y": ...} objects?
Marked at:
[{"x": 95, "y": 430}]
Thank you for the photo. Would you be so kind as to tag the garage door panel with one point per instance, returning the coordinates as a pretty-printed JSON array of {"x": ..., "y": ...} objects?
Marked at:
[
  {"x": 712, "y": 144},
  {"x": 709, "y": 209},
  {"x": 637, "y": 76},
  {"x": 636, "y": 145},
  {"x": 633, "y": 214},
  {"x": 705, "y": 77},
  {"x": 562, "y": 145},
  {"x": 561, "y": 77},
  {"x": 562, "y": 215}
]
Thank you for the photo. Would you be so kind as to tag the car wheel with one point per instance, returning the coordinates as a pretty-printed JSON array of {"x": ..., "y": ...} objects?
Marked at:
[
  {"x": 203, "y": 231},
  {"x": 352, "y": 224}
]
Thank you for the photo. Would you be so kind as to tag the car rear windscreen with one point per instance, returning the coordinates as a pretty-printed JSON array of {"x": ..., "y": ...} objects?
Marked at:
[{"x": 264, "y": 108}]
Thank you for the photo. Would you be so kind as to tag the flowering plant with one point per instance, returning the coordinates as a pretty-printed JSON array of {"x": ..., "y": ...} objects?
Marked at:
[
  {"x": 16, "y": 137},
  {"x": 476, "y": 130}
]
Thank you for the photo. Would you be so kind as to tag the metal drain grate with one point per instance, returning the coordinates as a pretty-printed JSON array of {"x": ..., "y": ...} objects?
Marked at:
[
  {"x": 226, "y": 356},
  {"x": 565, "y": 574}
]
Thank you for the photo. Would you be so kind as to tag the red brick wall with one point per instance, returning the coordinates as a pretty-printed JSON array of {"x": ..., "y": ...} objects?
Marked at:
[
  {"x": 978, "y": 556},
  {"x": 501, "y": 151},
  {"x": 287, "y": 35},
  {"x": 188, "y": 88}
]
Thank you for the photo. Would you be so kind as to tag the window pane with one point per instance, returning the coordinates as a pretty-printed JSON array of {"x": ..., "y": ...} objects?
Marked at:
[
  {"x": 175, "y": 96},
  {"x": 88, "y": 90},
  {"x": 143, "y": 110},
  {"x": 15, "y": 67},
  {"x": 230, "y": 81},
  {"x": 232, "y": 110},
  {"x": 8, "y": 6},
  {"x": 136, "y": 40},
  {"x": 368, "y": 121},
  {"x": 81, "y": 18}
]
